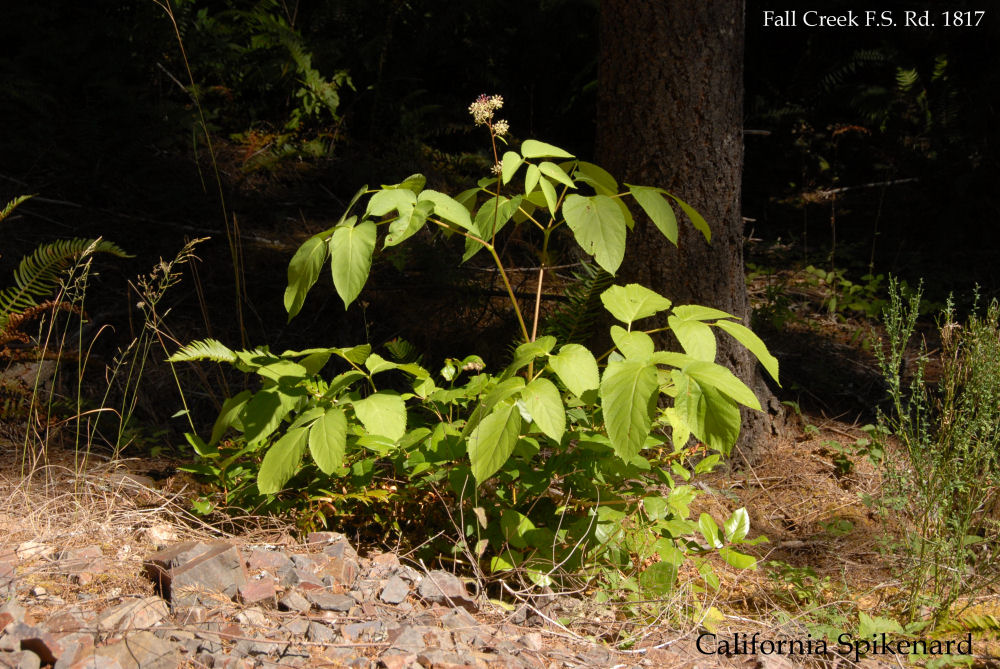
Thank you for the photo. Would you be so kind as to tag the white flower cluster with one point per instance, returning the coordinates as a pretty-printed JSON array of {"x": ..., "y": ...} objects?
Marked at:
[{"x": 482, "y": 113}]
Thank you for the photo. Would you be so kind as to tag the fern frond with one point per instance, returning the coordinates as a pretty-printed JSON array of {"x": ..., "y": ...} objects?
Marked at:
[
  {"x": 12, "y": 205},
  {"x": 970, "y": 622},
  {"x": 38, "y": 274},
  {"x": 205, "y": 349},
  {"x": 573, "y": 322}
]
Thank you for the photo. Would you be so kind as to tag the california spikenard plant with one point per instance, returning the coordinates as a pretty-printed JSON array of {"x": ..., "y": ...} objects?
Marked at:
[{"x": 558, "y": 462}]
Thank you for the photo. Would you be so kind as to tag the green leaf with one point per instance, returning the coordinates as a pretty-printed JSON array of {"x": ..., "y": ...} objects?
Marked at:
[
  {"x": 484, "y": 225},
  {"x": 655, "y": 507},
  {"x": 508, "y": 165},
  {"x": 695, "y": 337},
  {"x": 228, "y": 416},
  {"x": 549, "y": 191},
  {"x": 382, "y": 414},
  {"x": 493, "y": 440},
  {"x": 532, "y": 148},
  {"x": 409, "y": 223},
  {"x": 354, "y": 201},
  {"x": 658, "y": 579},
  {"x": 281, "y": 461},
  {"x": 633, "y": 345},
  {"x": 303, "y": 271},
  {"x": 263, "y": 413},
  {"x": 205, "y": 349},
  {"x": 448, "y": 208},
  {"x": 531, "y": 177},
  {"x": 633, "y": 302},
  {"x": 414, "y": 182},
  {"x": 376, "y": 363},
  {"x": 711, "y": 416},
  {"x": 556, "y": 173},
  {"x": 737, "y": 526},
  {"x": 545, "y": 405},
  {"x": 500, "y": 392},
  {"x": 869, "y": 626},
  {"x": 514, "y": 526},
  {"x": 658, "y": 210},
  {"x": 599, "y": 228},
  {"x": 576, "y": 367},
  {"x": 696, "y": 219},
  {"x": 597, "y": 178},
  {"x": 709, "y": 530},
  {"x": 527, "y": 352},
  {"x": 720, "y": 378},
  {"x": 680, "y": 498},
  {"x": 392, "y": 199},
  {"x": 627, "y": 390},
  {"x": 328, "y": 440},
  {"x": 737, "y": 559},
  {"x": 697, "y": 312},
  {"x": 351, "y": 251},
  {"x": 753, "y": 343}
]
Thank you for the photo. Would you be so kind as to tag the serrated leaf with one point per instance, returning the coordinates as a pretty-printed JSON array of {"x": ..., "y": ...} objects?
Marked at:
[
  {"x": 532, "y": 148},
  {"x": 697, "y": 312},
  {"x": 549, "y": 191},
  {"x": 503, "y": 209},
  {"x": 556, "y": 173},
  {"x": 409, "y": 223},
  {"x": 695, "y": 337},
  {"x": 599, "y": 228},
  {"x": 737, "y": 559},
  {"x": 696, "y": 219},
  {"x": 597, "y": 178},
  {"x": 328, "y": 440},
  {"x": 303, "y": 271},
  {"x": 546, "y": 407},
  {"x": 531, "y": 177},
  {"x": 658, "y": 579},
  {"x": 281, "y": 461},
  {"x": 658, "y": 210},
  {"x": 753, "y": 343},
  {"x": 633, "y": 345},
  {"x": 576, "y": 367},
  {"x": 737, "y": 525},
  {"x": 710, "y": 530},
  {"x": 263, "y": 413},
  {"x": 414, "y": 182},
  {"x": 633, "y": 302},
  {"x": 723, "y": 380},
  {"x": 527, "y": 352},
  {"x": 508, "y": 165},
  {"x": 392, "y": 199},
  {"x": 351, "y": 251},
  {"x": 493, "y": 440},
  {"x": 229, "y": 414},
  {"x": 712, "y": 417},
  {"x": 382, "y": 414},
  {"x": 627, "y": 391},
  {"x": 448, "y": 208}
]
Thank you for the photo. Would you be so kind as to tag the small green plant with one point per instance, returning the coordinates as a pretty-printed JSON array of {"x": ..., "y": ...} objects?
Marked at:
[
  {"x": 564, "y": 460},
  {"x": 943, "y": 489},
  {"x": 844, "y": 295}
]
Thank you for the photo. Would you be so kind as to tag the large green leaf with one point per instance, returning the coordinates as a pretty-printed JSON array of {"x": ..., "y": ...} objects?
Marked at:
[
  {"x": 632, "y": 302},
  {"x": 383, "y": 414},
  {"x": 633, "y": 345},
  {"x": 392, "y": 199},
  {"x": 737, "y": 526},
  {"x": 549, "y": 191},
  {"x": 737, "y": 559},
  {"x": 695, "y": 337},
  {"x": 658, "y": 579},
  {"x": 508, "y": 165},
  {"x": 448, "y": 208},
  {"x": 501, "y": 211},
  {"x": 712, "y": 417},
  {"x": 717, "y": 376},
  {"x": 354, "y": 201},
  {"x": 497, "y": 394},
  {"x": 328, "y": 440},
  {"x": 599, "y": 227},
  {"x": 746, "y": 336},
  {"x": 493, "y": 440},
  {"x": 576, "y": 367},
  {"x": 697, "y": 312},
  {"x": 411, "y": 219},
  {"x": 351, "y": 251},
  {"x": 597, "y": 178},
  {"x": 531, "y": 177},
  {"x": 303, "y": 271},
  {"x": 556, "y": 173},
  {"x": 696, "y": 219},
  {"x": 281, "y": 461},
  {"x": 628, "y": 390},
  {"x": 527, "y": 352},
  {"x": 229, "y": 415},
  {"x": 414, "y": 182},
  {"x": 658, "y": 210},
  {"x": 710, "y": 530},
  {"x": 542, "y": 399},
  {"x": 532, "y": 148},
  {"x": 263, "y": 413}
]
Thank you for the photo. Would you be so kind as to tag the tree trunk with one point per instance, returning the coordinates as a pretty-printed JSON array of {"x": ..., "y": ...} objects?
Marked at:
[{"x": 670, "y": 114}]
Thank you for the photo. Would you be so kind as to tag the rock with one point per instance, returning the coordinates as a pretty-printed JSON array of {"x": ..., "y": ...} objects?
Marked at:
[
  {"x": 215, "y": 573},
  {"x": 259, "y": 591},
  {"x": 293, "y": 601},
  {"x": 139, "y": 613},
  {"x": 46, "y": 645},
  {"x": 302, "y": 579},
  {"x": 398, "y": 660},
  {"x": 270, "y": 561},
  {"x": 32, "y": 549},
  {"x": 531, "y": 641},
  {"x": 370, "y": 630},
  {"x": 21, "y": 659},
  {"x": 395, "y": 591},
  {"x": 439, "y": 659},
  {"x": 297, "y": 627},
  {"x": 320, "y": 633},
  {"x": 325, "y": 601},
  {"x": 160, "y": 534},
  {"x": 255, "y": 618},
  {"x": 442, "y": 587},
  {"x": 176, "y": 555}
]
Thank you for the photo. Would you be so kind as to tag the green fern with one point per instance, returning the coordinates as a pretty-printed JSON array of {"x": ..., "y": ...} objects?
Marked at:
[
  {"x": 573, "y": 322},
  {"x": 38, "y": 274},
  {"x": 205, "y": 349},
  {"x": 12, "y": 205},
  {"x": 970, "y": 622}
]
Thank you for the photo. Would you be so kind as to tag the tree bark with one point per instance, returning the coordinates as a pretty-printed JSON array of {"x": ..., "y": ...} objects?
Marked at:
[{"x": 670, "y": 114}]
